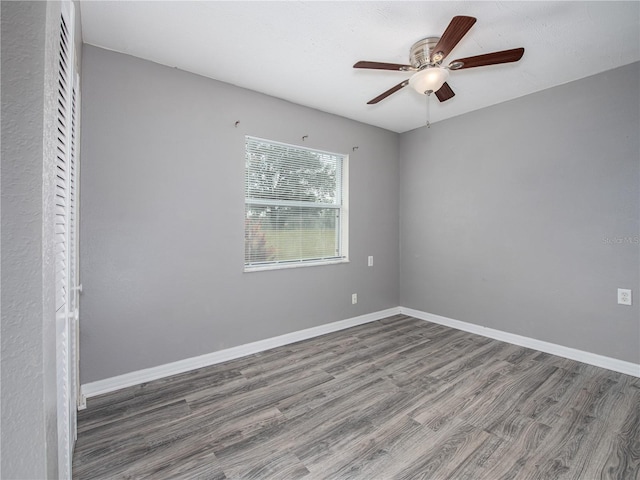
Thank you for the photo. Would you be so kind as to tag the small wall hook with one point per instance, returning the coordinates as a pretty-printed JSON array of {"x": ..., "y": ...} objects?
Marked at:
[
  {"x": 305, "y": 137},
  {"x": 355, "y": 148},
  {"x": 237, "y": 123}
]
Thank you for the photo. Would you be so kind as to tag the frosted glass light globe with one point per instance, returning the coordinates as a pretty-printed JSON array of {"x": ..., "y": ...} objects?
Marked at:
[{"x": 429, "y": 80}]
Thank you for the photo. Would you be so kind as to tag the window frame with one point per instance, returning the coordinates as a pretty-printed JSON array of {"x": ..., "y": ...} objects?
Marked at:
[{"x": 342, "y": 193}]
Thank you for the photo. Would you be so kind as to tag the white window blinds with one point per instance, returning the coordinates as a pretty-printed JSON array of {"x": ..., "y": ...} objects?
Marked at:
[{"x": 294, "y": 202}]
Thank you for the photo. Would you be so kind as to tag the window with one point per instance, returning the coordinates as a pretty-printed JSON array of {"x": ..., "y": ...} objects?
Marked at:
[{"x": 295, "y": 206}]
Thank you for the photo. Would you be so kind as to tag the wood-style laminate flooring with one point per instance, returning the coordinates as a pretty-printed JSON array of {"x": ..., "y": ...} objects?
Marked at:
[{"x": 399, "y": 398}]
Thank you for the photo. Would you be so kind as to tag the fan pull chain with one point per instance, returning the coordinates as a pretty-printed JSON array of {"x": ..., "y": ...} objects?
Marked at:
[{"x": 428, "y": 122}]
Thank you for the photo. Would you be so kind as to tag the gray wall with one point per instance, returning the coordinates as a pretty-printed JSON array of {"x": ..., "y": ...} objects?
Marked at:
[
  {"x": 162, "y": 208},
  {"x": 28, "y": 431},
  {"x": 518, "y": 217}
]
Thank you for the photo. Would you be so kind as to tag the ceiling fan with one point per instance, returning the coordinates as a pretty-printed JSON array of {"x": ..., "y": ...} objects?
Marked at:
[{"x": 426, "y": 58}]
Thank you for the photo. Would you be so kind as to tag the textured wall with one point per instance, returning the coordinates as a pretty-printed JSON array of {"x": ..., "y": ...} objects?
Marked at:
[
  {"x": 524, "y": 217},
  {"x": 28, "y": 430},
  {"x": 162, "y": 208}
]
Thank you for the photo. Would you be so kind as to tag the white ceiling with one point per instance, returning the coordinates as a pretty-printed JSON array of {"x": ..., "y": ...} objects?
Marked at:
[{"x": 303, "y": 51}]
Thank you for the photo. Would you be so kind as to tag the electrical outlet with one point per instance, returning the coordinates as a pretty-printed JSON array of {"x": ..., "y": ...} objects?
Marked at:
[
  {"x": 624, "y": 296},
  {"x": 354, "y": 298},
  {"x": 370, "y": 261}
]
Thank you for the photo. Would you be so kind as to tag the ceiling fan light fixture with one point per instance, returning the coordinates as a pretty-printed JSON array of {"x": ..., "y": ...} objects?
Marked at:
[{"x": 429, "y": 79}]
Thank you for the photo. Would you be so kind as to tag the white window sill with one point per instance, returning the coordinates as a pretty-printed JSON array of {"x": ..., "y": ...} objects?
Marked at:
[{"x": 283, "y": 265}]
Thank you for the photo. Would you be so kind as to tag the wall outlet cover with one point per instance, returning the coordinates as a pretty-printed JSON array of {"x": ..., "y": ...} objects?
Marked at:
[{"x": 624, "y": 296}]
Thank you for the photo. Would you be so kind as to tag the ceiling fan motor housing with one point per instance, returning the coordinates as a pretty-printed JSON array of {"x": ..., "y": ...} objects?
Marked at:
[{"x": 421, "y": 53}]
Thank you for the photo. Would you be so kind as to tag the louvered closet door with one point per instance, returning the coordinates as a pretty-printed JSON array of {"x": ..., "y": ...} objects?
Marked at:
[
  {"x": 72, "y": 285},
  {"x": 65, "y": 229}
]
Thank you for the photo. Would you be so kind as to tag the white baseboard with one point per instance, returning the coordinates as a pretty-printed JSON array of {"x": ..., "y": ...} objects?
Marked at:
[
  {"x": 107, "y": 385},
  {"x": 609, "y": 363}
]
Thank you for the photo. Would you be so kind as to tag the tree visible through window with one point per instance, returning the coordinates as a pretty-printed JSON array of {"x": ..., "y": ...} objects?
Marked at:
[{"x": 293, "y": 205}]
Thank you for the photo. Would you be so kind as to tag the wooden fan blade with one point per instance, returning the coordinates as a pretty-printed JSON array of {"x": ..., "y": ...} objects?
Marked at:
[
  {"x": 505, "y": 56},
  {"x": 458, "y": 27},
  {"x": 383, "y": 66},
  {"x": 445, "y": 93},
  {"x": 384, "y": 95}
]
